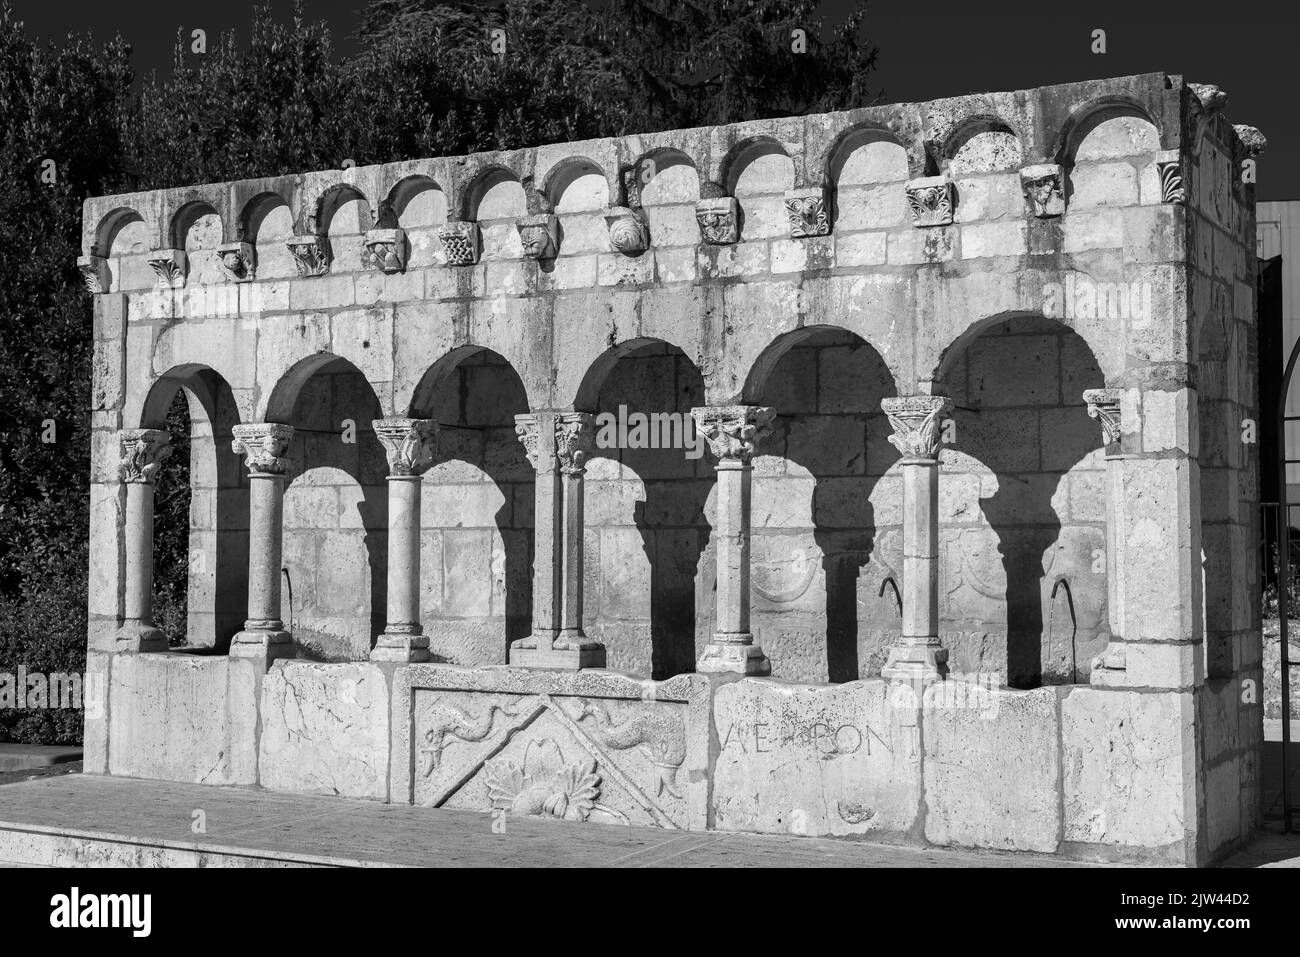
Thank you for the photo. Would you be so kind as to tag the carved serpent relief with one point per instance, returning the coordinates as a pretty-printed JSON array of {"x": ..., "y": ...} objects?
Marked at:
[
  {"x": 569, "y": 750},
  {"x": 659, "y": 732}
]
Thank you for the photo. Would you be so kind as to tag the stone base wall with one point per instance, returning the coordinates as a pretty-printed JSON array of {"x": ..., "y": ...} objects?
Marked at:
[{"x": 1096, "y": 773}]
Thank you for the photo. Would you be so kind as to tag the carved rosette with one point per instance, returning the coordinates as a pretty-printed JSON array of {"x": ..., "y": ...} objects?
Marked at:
[
  {"x": 539, "y": 235},
  {"x": 1169, "y": 170},
  {"x": 143, "y": 451},
  {"x": 409, "y": 444},
  {"x": 459, "y": 242},
  {"x": 629, "y": 230},
  {"x": 1104, "y": 406},
  {"x": 575, "y": 438},
  {"x": 930, "y": 199},
  {"x": 1043, "y": 190},
  {"x": 386, "y": 250},
  {"x": 237, "y": 261},
  {"x": 94, "y": 272},
  {"x": 263, "y": 446},
  {"x": 310, "y": 254},
  {"x": 169, "y": 265},
  {"x": 733, "y": 431},
  {"x": 807, "y": 213},
  {"x": 917, "y": 421},
  {"x": 719, "y": 220}
]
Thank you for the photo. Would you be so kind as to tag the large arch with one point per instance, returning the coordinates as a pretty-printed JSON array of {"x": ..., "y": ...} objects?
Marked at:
[
  {"x": 1023, "y": 504},
  {"x": 647, "y": 487},
  {"x": 335, "y": 515},
  {"x": 826, "y": 507},
  {"x": 476, "y": 510},
  {"x": 201, "y": 506}
]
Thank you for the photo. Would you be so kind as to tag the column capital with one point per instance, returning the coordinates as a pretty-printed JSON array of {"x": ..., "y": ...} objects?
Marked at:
[
  {"x": 575, "y": 438},
  {"x": 917, "y": 421},
  {"x": 143, "y": 451},
  {"x": 733, "y": 431},
  {"x": 409, "y": 444},
  {"x": 528, "y": 428},
  {"x": 1104, "y": 406},
  {"x": 263, "y": 445}
]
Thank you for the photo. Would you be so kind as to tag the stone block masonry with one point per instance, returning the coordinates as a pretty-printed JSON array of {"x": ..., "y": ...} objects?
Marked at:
[{"x": 969, "y": 378}]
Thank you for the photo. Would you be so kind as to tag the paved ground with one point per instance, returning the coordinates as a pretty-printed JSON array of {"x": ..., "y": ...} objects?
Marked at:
[
  {"x": 338, "y": 830},
  {"x": 265, "y": 826}
]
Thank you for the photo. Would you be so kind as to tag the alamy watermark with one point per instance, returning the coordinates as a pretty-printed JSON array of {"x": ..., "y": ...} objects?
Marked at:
[
  {"x": 1079, "y": 297},
  {"x": 653, "y": 430},
  {"x": 75, "y": 691}
]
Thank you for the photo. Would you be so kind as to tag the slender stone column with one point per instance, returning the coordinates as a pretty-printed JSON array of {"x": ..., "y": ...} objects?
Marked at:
[
  {"x": 557, "y": 445},
  {"x": 917, "y": 420},
  {"x": 1104, "y": 406},
  {"x": 733, "y": 433},
  {"x": 575, "y": 437},
  {"x": 143, "y": 451},
  {"x": 263, "y": 446},
  {"x": 409, "y": 445}
]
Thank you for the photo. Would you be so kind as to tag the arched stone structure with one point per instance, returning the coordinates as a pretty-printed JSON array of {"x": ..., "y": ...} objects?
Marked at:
[{"x": 942, "y": 355}]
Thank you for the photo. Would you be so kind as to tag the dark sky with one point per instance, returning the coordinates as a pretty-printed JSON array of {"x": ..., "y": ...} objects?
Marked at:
[{"x": 928, "y": 48}]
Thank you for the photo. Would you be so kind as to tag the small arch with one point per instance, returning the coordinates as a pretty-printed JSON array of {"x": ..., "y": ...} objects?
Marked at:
[
  {"x": 196, "y": 225},
  {"x": 866, "y": 154},
  {"x": 588, "y": 393},
  {"x": 577, "y": 184},
  {"x": 981, "y": 144},
  {"x": 495, "y": 192},
  {"x": 1087, "y": 118},
  {"x": 667, "y": 176},
  {"x": 340, "y": 209},
  {"x": 266, "y": 222},
  {"x": 757, "y": 165},
  {"x": 121, "y": 232},
  {"x": 417, "y": 201}
]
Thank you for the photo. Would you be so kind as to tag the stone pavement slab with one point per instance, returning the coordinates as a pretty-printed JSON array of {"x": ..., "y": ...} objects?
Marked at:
[{"x": 95, "y": 820}]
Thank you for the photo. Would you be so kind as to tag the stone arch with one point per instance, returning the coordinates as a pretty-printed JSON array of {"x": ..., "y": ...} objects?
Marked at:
[
  {"x": 983, "y": 143},
  {"x": 335, "y": 522},
  {"x": 265, "y": 222},
  {"x": 668, "y": 184},
  {"x": 197, "y": 229},
  {"x": 418, "y": 204},
  {"x": 867, "y": 168},
  {"x": 1025, "y": 503},
  {"x": 495, "y": 199},
  {"x": 1108, "y": 153},
  {"x": 125, "y": 239},
  {"x": 1085, "y": 119},
  {"x": 647, "y": 489},
  {"x": 758, "y": 171},
  {"x": 216, "y": 561},
  {"x": 477, "y": 508},
  {"x": 577, "y": 184},
  {"x": 826, "y": 506},
  {"x": 122, "y": 231}
]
